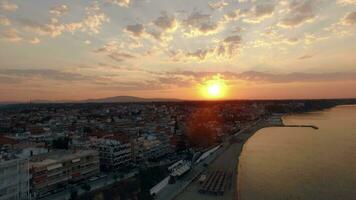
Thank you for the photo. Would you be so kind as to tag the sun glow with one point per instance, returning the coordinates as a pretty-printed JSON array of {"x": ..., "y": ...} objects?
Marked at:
[{"x": 214, "y": 88}]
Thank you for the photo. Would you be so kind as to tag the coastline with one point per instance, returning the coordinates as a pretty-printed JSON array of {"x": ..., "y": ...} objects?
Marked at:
[
  {"x": 229, "y": 159},
  {"x": 334, "y": 109},
  {"x": 249, "y": 133},
  {"x": 226, "y": 160}
]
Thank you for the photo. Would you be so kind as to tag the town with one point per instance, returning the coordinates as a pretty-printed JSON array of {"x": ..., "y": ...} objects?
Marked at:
[{"x": 124, "y": 150}]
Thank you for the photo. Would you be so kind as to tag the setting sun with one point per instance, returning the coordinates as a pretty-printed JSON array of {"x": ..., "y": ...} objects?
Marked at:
[{"x": 214, "y": 88}]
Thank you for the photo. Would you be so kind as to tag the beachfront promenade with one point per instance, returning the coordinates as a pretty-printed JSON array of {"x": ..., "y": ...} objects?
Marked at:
[{"x": 225, "y": 159}]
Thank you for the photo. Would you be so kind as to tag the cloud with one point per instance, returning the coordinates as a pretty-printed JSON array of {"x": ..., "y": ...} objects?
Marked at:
[
  {"x": 53, "y": 29},
  {"x": 306, "y": 56},
  {"x": 197, "y": 24},
  {"x": 113, "y": 50},
  {"x": 218, "y": 5},
  {"x": 157, "y": 33},
  {"x": 349, "y": 19},
  {"x": 34, "y": 41},
  {"x": 94, "y": 22},
  {"x": 310, "y": 38},
  {"x": 136, "y": 30},
  {"x": 177, "y": 81},
  {"x": 259, "y": 13},
  {"x": 229, "y": 46},
  {"x": 12, "y": 35},
  {"x": 109, "y": 47},
  {"x": 226, "y": 48},
  {"x": 49, "y": 74},
  {"x": 166, "y": 23},
  {"x": 4, "y": 21},
  {"x": 91, "y": 23},
  {"x": 232, "y": 15},
  {"x": 295, "y": 77},
  {"x": 122, "y": 3},
  {"x": 299, "y": 12},
  {"x": 263, "y": 77},
  {"x": 120, "y": 56},
  {"x": 200, "y": 54},
  {"x": 8, "y": 6},
  {"x": 347, "y": 2},
  {"x": 59, "y": 10}
]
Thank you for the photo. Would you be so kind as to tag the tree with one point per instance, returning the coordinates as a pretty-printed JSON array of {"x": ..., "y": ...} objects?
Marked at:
[{"x": 61, "y": 143}]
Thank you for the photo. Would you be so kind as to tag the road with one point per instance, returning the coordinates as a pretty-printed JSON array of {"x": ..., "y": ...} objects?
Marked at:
[{"x": 225, "y": 158}]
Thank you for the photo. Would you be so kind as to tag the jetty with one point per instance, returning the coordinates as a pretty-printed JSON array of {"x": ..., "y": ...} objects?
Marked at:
[{"x": 297, "y": 126}]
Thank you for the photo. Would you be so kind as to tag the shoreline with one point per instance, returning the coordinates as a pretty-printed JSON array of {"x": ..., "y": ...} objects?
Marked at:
[
  {"x": 267, "y": 124},
  {"x": 226, "y": 160},
  {"x": 229, "y": 159},
  {"x": 250, "y": 133}
]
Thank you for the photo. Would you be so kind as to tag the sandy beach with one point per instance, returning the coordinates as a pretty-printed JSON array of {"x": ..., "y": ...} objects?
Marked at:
[{"x": 227, "y": 160}]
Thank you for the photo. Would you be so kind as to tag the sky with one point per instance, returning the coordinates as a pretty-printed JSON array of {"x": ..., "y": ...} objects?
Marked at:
[{"x": 261, "y": 49}]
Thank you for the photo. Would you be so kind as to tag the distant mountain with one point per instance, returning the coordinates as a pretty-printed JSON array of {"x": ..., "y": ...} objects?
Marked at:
[{"x": 118, "y": 99}]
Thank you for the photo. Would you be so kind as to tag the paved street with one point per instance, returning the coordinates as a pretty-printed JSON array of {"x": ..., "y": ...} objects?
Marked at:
[{"x": 226, "y": 158}]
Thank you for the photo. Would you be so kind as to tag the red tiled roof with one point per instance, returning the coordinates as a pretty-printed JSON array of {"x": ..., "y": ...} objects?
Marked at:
[{"x": 5, "y": 140}]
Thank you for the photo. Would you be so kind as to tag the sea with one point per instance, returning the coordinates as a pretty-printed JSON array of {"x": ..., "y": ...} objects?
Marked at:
[{"x": 302, "y": 163}]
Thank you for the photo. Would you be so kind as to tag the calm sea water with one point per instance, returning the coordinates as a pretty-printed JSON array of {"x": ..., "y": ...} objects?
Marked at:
[{"x": 302, "y": 163}]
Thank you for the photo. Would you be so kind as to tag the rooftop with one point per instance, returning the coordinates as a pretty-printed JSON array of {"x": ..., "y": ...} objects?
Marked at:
[{"x": 58, "y": 157}]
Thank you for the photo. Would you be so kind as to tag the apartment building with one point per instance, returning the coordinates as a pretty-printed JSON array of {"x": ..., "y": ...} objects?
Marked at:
[
  {"x": 52, "y": 172},
  {"x": 14, "y": 179},
  {"x": 150, "y": 146},
  {"x": 115, "y": 152}
]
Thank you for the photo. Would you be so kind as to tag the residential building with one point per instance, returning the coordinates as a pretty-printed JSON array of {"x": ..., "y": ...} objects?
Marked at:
[
  {"x": 14, "y": 179},
  {"x": 115, "y": 152},
  {"x": 53, "y": 171}
]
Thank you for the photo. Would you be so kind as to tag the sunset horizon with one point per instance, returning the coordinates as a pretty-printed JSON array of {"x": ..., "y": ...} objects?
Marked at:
[{"x": 155, "y": 49}]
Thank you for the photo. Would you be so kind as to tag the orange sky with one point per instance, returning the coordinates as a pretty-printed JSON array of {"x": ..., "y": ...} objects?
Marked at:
[{"x": 261, "y": 49}]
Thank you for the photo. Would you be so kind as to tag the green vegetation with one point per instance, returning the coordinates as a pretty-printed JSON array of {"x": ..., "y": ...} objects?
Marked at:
[{"x": 61, "y": 143}]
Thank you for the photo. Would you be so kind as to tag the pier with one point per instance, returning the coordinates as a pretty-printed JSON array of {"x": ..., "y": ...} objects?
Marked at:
[
  {"x": 297, "y": 126},
  {"x": 276, "y": 121}
]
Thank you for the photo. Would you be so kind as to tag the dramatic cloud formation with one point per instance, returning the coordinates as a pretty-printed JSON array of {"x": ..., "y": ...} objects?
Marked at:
[
  {"x": 91, "y": 23},
  {"x": 259, "y": 13},
  {"x": 138, "y": 46},
  {"x": 254, "y": 76},
  {"x": 197, "y": 24},
  {"x": 299, "y": 12},
  {"x": 166, "y": 23}
]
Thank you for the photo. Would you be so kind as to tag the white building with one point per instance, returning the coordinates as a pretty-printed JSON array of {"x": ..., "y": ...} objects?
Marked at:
[
  {"x": 114, "y": 152},
  {"x": 54, "y": 171},
  {"x": 150, "y": 147},
  {"x": 14, "y": 179}
]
